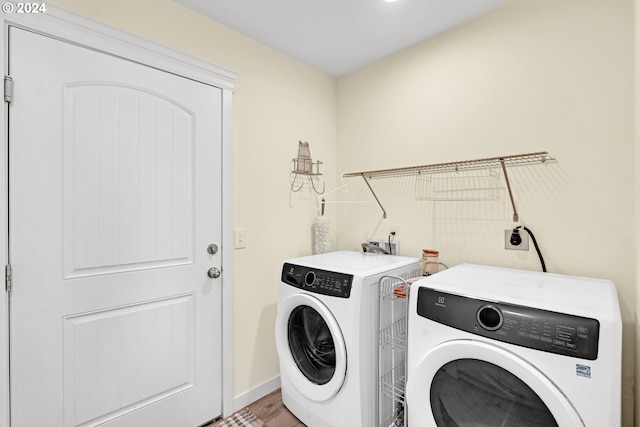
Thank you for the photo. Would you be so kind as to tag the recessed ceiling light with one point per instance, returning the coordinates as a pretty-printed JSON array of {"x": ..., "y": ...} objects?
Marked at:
[{"x": 391, "y": 1}]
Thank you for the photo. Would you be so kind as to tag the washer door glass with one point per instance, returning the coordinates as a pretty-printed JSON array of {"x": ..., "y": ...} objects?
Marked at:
[
  {"x": 311, "y": 345},
  {"x": 473, "y": 383},
  {"x": 469, "y": 392}
]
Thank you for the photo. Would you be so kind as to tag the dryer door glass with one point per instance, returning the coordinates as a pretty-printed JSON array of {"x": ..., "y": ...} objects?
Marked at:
[
  {"x": 311, "y": 344},
  {"x": 468, "y": 392}
]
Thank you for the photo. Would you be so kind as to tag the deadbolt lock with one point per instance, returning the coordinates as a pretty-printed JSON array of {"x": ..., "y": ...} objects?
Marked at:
[{"x": 212, "y": 249}]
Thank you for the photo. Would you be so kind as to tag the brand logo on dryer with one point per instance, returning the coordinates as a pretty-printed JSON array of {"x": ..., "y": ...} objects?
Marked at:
[
  {"x": 441, "y": 302},
  {"x": 583, "y": 371}
]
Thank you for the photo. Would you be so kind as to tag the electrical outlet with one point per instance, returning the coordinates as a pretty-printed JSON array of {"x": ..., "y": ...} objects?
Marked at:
[
  {"x": 384, "y": 244},
  {"x": 524, "y": 244}
]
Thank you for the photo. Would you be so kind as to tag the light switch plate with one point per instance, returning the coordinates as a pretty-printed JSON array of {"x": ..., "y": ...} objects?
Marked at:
[{"x": 239, "y": 238}]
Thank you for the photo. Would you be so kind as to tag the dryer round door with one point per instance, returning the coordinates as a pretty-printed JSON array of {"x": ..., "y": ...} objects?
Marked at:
[
  {"x": 468, "y": 382},
  {"x": 311, "y": 347}
]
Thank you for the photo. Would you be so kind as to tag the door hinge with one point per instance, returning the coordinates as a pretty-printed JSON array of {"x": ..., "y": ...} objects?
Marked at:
[
  {"x": 7, "y": 277},
  {"x": 8, "y": 89}
]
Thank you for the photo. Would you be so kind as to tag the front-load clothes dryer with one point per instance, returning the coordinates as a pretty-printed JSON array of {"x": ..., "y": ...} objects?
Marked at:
[
  {"x": 327, "y": 335},
  {"x": 501, "y": 347}
]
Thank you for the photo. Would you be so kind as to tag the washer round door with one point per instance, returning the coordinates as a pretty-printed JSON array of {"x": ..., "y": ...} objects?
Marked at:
[
  {"x": 311, "y": 347},
  {"x": 472, "y": 383}
]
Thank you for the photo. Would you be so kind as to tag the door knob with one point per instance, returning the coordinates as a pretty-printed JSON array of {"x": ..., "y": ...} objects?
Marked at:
[{"x": 213, "y": 273}]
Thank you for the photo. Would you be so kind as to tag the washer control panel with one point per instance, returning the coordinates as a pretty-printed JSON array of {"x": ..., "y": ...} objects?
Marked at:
[
  {"x": 543, "y": 330},
  {"x": 318, "y": 281}
]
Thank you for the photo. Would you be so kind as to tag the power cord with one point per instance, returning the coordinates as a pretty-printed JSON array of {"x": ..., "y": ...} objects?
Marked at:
[
  {"x": 393, "y": 233},
  {"x": 516, "y": 240}
]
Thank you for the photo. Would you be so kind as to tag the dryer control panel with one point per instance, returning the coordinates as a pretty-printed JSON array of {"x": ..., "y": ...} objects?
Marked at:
[
  {"x": 318, "y": 281},
  {"x": 543, "y": 330}
]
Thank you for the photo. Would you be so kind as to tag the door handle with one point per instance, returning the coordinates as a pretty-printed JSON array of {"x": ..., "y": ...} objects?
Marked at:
[{"x": 213, "y": 273}]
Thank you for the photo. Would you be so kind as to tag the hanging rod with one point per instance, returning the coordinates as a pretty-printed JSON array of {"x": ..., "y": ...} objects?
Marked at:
[{"x": 490, "y": 162}]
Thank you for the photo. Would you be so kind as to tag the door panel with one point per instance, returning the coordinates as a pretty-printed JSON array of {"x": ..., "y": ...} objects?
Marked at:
[
  {"x": 128, "y": 194},
  {"x": 122, "y": 358},
  {"x": 115, "y": 181}
]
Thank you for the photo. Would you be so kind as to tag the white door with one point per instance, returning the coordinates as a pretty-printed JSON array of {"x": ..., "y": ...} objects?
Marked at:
[{"x": 115, "y": 182}]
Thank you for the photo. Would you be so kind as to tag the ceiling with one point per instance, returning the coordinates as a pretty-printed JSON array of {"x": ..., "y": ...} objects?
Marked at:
[{"x": 340, "y": 36}]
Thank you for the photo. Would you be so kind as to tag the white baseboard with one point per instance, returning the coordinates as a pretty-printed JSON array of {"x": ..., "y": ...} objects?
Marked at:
[{"x": 256, "y": 393}]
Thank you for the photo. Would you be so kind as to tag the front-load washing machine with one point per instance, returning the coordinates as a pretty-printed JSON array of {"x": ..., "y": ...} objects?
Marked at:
[
  {"x": 327, "y": 335},
  {"x": 492, "y": 347}
]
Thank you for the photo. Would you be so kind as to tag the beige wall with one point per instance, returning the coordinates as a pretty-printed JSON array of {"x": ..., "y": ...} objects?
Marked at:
[
  {"x": 530, "y": 76},
  {"x": 277, "y": 102}
]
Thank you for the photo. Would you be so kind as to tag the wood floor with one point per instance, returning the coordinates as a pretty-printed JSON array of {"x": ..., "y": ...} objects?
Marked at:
[{"x": 271, "y": 411}]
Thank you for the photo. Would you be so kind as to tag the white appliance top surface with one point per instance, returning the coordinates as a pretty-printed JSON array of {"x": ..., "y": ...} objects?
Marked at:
[
  {"x": 555, "y": 292},
  {"x": 360, "y": 264}
]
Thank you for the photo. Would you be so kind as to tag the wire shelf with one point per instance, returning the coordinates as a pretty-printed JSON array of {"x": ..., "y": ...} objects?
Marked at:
[
  {"x": 394, "y": 334},
  {"x": 489, "y": 162},
  {"x": 477, "y": 185},
  {"x": 389, "y": 287},
  {"x": 305, "y": 171},
  {"x": 305, "y": 166},
  {"x": 463, "y": 165},
  {"x": 392, "y": 384},
  {"x": 392, "y": 346}
]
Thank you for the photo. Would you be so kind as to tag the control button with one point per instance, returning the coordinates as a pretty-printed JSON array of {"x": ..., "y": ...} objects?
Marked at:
[
  {"x": 546, "y": 339},
  {"x": 489, "y": 317},
  {"x": 583, "y": 330},
  {"x": 584, "y": 336},
  {"x": 309, "y": 278}
]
